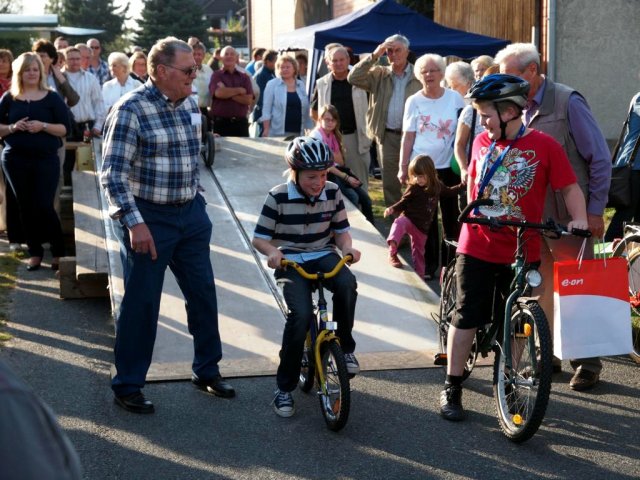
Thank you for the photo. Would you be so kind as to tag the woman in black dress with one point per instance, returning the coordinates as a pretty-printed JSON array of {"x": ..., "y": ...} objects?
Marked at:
[{"x": 33, "y": 121}]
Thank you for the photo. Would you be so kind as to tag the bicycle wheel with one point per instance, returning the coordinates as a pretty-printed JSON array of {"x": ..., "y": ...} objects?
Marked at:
[
  {"x": 307, "y": 368},
  {"x": 521, "y": 394},
  {"x": 630, "y": 249},
  {"x": 633, "y": 260},
  {"x": 334, "y": 393},
  {"x": 208, "y": 149},
  {"x": 448, "y": 297}
]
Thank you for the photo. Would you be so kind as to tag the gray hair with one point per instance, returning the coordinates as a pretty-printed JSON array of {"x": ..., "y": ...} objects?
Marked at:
[
  {"x": 118, "y": 58},
  {"x": 164, "y": 53},
  {"x": 421, "y": 61},
  {"x": 342, "y": 50},
  {"x": 398, "y": 38},
  {"x": 525, "y": 53},
  {"x": 460, "y": 71},
  {"x": 330, "y": 46},
  {"x": 199, "y": 46}
]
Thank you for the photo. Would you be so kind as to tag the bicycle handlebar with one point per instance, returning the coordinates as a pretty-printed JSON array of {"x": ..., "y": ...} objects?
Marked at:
[
  {"x": 314, "y": 276},
  {"x": 550, "y": 226}
]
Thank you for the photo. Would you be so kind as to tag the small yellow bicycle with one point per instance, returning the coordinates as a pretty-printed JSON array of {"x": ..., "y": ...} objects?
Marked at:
[{"x": 322, "y": 348}]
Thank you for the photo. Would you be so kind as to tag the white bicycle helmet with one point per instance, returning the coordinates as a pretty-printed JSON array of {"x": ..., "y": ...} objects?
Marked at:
[{"x": 307, "y": 153}]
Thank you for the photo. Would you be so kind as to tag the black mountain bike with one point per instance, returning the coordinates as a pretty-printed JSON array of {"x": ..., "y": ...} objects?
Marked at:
[{"x": 520, "y": 339}]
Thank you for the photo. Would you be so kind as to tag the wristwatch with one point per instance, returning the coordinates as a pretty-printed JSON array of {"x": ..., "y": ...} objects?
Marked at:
[
  {"x": 44, "y": 126},
  {"x": 12, "y": 127}
]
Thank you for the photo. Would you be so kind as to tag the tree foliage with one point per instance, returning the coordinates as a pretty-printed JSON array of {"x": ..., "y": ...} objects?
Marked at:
[
  {"x": 178, "y": 18},
  {"x": 10, "y": 6},
  {"x": 424, "y": 7},
  {"x": 99, "y": 14},
  {"x": 19, "y": 43}
]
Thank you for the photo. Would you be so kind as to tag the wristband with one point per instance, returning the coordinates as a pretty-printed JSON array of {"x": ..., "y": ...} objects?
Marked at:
[
  {"x": 44, "y": 126},
  {"x": 12, "y": 128}
]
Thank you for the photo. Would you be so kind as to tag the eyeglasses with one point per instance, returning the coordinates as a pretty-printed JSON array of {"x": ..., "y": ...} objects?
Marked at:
[
  {"x": 94, "y": 48},
  {"x": 187, "y": 71},
  {"x": 432, "y": 72}
]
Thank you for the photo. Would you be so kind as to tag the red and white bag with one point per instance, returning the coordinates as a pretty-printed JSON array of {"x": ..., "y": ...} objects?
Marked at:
[{"x": 592, "y": 316}]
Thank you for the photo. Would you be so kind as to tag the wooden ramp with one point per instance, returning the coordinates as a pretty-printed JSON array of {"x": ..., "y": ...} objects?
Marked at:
[{"x": 393, "y": 327}]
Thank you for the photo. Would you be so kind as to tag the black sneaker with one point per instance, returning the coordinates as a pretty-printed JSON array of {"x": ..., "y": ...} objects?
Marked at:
[
  {"x": 353, "y": 367},
  {"x": 451, "y": 403},
  {"x": 283, "y": 403}
]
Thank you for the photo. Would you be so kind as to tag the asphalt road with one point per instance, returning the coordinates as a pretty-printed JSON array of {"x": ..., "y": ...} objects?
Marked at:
[{"x": 63, "y": 350}]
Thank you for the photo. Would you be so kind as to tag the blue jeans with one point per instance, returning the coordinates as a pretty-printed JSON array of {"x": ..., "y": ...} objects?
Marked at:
[
  {"x": 297, "y": 294},
  {"x": 182, "y": 235}
]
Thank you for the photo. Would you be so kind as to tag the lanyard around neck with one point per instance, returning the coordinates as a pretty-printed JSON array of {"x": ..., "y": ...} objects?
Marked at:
[{"x": 488, "y": 174}]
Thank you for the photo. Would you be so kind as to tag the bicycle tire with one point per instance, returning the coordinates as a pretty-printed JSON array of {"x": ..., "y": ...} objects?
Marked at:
[
  {"x": 335, "y": 393},
  {"x": 448, "y": 295},
  {"x": 307, "y": 367},
  {"x": 208, "y": 149},
  {"x": 522, "y": 395},
  {"x": 633, "y": 262}
]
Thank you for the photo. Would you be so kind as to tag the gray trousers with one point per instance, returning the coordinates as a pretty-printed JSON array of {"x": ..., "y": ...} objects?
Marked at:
[
  {"x": 389, "y": 159},
  {"x": 356, "y": 161}
]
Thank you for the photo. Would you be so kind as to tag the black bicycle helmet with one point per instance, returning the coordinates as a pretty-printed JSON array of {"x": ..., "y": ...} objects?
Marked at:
[
  {"x": 500, "y": 87},
  {"x": 307, "y": 153}
]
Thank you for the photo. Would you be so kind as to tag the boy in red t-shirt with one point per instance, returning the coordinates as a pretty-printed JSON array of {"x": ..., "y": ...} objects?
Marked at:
[{"x": 528, "y": 161}]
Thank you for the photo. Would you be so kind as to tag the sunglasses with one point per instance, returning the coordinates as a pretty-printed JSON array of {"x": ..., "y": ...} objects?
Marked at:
[
  {"x": 95, "y": 48},
  {"x": 187, "y": 71}
]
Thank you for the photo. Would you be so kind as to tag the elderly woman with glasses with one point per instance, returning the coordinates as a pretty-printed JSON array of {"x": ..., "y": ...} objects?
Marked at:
[
  {"x": 121, "y": 82},
  {"x": 429, "y": 128}
]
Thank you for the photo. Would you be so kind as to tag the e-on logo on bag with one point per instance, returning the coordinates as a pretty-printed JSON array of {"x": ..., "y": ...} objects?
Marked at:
[{"x": 572, "y": 282}]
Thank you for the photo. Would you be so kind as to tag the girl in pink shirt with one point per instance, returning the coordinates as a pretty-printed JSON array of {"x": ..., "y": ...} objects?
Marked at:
[{"x": 328, "y": 132}]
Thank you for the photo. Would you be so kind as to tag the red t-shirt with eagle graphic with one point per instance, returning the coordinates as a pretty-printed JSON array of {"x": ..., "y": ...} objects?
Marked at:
[{"x": 518, "y": 188}]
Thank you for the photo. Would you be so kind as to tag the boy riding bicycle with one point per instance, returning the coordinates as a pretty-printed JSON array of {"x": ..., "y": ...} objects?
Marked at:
[
  {"x": 513, "y": 166},
  {"x": 305, "y": 220}
]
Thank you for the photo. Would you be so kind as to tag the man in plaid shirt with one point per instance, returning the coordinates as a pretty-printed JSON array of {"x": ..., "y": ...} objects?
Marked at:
[
  {"x": 150, "y": 176},
  {"x": 97, "y": 65}
]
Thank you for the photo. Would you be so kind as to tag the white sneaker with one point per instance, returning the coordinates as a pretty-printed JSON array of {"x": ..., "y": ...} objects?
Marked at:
[
  {"x": 283, "y": 403},
  {"x": 353, "y": 367}
]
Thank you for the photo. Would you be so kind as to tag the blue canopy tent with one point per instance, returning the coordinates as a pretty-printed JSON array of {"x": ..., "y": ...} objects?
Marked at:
[{"x": 364, "y": 29}]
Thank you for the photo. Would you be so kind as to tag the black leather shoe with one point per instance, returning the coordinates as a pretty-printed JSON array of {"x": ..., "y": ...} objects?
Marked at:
[
  {"x": 583, "y": 380},
  {"x": 135, "y": 403},
  {"x": 217, "y": 385}
]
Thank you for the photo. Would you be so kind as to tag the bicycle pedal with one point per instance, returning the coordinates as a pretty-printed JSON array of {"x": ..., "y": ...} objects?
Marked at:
[{"x": 440, "y": 359}]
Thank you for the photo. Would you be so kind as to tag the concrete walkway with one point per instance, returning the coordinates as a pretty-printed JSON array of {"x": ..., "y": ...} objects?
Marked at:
[{"x": 393, "y": 318}]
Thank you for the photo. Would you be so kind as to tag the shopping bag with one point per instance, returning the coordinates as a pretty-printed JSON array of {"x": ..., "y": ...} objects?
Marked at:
[{"x": 592, "y": 317}]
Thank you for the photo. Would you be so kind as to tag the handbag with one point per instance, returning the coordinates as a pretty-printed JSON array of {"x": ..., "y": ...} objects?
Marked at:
[
  {"x": 620, "y": 187},
  {"x": 592, "y": 318}
]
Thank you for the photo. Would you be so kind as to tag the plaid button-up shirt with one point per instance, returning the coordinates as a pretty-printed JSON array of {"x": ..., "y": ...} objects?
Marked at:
[
  {"x": 151, "y": 149},
  {"x": 102, "y": 72}
]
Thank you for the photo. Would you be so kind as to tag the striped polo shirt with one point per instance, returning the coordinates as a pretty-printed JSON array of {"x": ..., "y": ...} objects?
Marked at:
[{"x": 301, "y": 230}]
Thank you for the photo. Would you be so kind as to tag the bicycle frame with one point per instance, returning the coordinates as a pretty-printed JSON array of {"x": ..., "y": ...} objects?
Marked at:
[
  {"x": 320, "y": 328},
  {"x": 517, "y": 290},
  {"x": 519, "y": 284}
]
